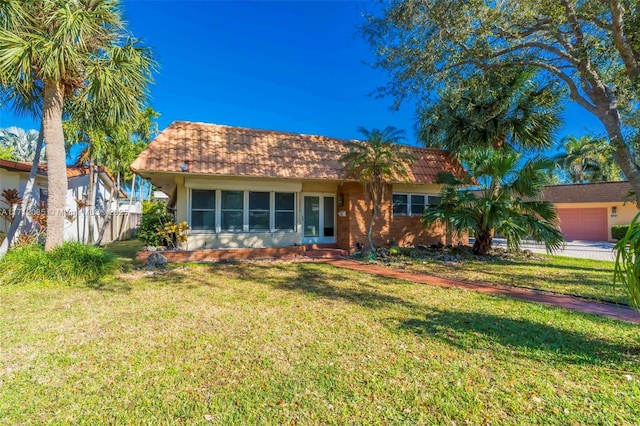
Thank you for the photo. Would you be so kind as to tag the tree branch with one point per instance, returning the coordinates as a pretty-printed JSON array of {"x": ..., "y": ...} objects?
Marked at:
[
  {"x": 574, "y": 92},
  {"x": 629, "y": 56},
  {"x": 538, "y": 45}
]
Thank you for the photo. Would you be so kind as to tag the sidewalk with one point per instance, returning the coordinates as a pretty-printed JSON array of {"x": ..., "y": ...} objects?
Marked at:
[
  {"x": 576, "y": 248},
  {"x": 618, "y": 312}
]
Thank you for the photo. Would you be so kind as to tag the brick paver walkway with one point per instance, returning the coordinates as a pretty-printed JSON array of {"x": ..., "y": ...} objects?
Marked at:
[{"x": 619, "y": 312}]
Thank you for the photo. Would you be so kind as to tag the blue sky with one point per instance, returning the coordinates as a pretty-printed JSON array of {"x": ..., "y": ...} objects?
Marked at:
[{"x": 290, "y": 66}]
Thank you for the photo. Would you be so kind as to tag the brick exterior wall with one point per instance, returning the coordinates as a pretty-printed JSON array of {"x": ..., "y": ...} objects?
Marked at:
[{"x": 404, "y": 230}]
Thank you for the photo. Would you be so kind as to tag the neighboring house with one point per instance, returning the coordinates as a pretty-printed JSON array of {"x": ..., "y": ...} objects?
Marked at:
[
  {"x": 15, "y": 175},
  {"x": 588, "y": 211},
  {"x": 242, "y": 188}
]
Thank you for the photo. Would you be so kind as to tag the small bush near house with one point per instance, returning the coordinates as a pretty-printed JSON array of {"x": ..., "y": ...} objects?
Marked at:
[
  {"x": 618, "y": 231},
  {"x": 69, "y": 264},
  {"x": 158, "y": 229}
]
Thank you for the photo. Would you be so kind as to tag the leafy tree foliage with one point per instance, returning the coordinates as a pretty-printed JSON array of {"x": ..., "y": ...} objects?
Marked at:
[
  {"x": 376, "y": 163},
  {"x": 56, "y": 50},
  {"x": 506, "y": 202},
  {"x": 22, "y": 144},
  {"x": 493, "y": 111},
  {"x": 592, "y": 47},
  {"x": 6, "y": 153},
  {"x": 587, "y": 159}
]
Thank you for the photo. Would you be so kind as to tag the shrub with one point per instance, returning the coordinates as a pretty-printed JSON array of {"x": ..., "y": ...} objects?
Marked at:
[
  {"x": 154, "y": 219},
  {"x": 400, "y": 251},
  {"x": 157, "y": 227},
  {"x": 627, "y": 269},
  {"x": 618, "y": 231},
  {"x": 69, "y": 264}
]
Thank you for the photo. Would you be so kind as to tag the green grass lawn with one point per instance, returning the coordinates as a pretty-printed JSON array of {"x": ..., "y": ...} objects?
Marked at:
[
  {"x": 580, "y": 277},
  {"x": 305, "y": 343}
]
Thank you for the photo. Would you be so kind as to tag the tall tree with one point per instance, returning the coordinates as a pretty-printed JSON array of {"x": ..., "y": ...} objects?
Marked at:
[
  {"x": 376, "y": 163},
  {"x": 507, "y": 110},
  {"x": 592, "y": 47},
  {"x": 586, "y": 159},
  {"x": 114, "y": 145},
  {"x": 22, "y": 143},
  {"x": 505, "y": 203},
  {"x": 61, "y": 49}
]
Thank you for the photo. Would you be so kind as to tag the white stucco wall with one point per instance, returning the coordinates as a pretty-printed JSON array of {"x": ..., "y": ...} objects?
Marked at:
[{"x": 77, "y": 224}]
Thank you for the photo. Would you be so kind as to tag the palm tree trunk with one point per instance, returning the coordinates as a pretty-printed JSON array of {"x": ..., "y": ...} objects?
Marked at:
[
  {"x": 26, "y": 197},
  {"x": 482, "y": 245},
  {"x": 125, "y": 222},
  {"x": 91, "y": 202},
  {"x": 370, "y": 231},
  {"x": 56, "y": 162},
  {"x": 103, "y": 228}
]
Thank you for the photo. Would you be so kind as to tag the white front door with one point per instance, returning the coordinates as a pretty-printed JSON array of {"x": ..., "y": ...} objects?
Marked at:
[{"x": 318, "y": 218}]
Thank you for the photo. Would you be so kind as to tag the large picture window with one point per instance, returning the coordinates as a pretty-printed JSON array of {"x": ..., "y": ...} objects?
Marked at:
[{"x": 203, "y": 210}]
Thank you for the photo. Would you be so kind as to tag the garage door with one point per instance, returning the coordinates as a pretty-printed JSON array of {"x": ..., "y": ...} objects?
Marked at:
[{"x": 584, "y": 224}]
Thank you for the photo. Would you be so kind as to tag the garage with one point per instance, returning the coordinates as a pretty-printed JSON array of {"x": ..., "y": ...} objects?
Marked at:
[{"x": 584, "y": 224}]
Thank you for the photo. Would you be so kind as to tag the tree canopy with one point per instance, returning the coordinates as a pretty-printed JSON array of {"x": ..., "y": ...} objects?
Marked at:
[
  {"x": 587, "y": 159},
  {"x": 496, "y": 110},
  {"x": 377, "y": 162},
  {"x": 506, "y": 203},
  {"x": 20, "y": 143},
  {"x": 56, "y": 50},
  {"x": 592, "y": 47}
]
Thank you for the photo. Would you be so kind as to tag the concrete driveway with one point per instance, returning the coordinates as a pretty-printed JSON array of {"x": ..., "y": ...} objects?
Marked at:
[{"x": 598, "y": 250}]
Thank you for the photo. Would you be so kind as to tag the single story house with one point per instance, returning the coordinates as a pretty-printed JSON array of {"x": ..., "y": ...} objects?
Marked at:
[
  {"x": 14, "y": 175},
  {"x": 588, "y": 211},
  {"x": 248, "y": 188}
]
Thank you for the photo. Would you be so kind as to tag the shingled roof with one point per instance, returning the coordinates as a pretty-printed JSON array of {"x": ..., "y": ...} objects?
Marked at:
[
  {"x": 602, "y": 192},
  {"x": 213, "y": 149}
]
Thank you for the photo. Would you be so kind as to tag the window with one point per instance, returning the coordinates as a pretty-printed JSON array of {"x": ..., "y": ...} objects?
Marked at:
[
  {"x": 434, "y": 200},
  {"x": 400, "y": 204},
  {"x": 203, "y": 210},
  {"x": 417, "y": 204},
  {"x": 259, "y": 211},
  {"x": 284, "y": 211},
  {"x": 231, "y": 210},
  {"x": 413, "y": 204}
]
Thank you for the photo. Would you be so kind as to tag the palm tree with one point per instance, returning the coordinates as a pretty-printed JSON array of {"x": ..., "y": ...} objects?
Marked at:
[
  {"x": 114, "y": 145},
  {"x": 508, "y": 110},
  {"x": 505, "y": 203},
  {"x": 21, "y": 143},
  {"x": 586, "y": 159},
  {"x": 56, "y": 50},
  {"x": 376, "y": 163}
]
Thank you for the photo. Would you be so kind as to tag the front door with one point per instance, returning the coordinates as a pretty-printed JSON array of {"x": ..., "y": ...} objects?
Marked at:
[{"x": 318, "y": 218}]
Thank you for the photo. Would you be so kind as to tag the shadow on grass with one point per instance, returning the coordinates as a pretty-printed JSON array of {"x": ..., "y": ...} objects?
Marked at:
[
  {"x": 319, "y": 280},
  {"x": 533, "y": 340},
  {"x": 554, "y": 264}
]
